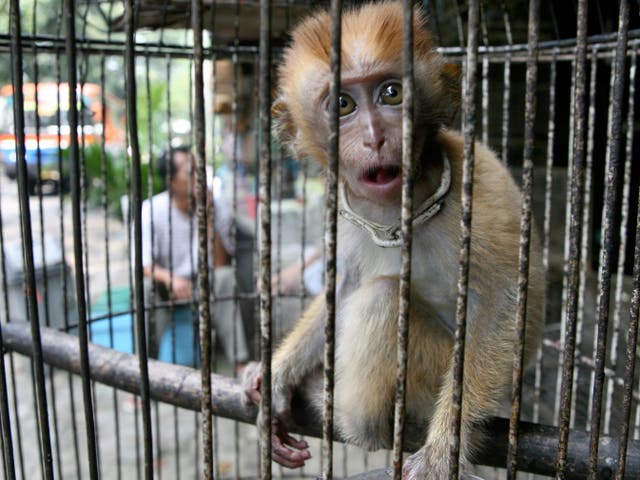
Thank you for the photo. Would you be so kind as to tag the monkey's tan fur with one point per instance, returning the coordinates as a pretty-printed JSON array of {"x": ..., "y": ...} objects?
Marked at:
[{"x": 368, "y": 302}]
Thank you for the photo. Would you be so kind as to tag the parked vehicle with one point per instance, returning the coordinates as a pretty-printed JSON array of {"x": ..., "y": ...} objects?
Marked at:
[{"x": 47, "y": 131}]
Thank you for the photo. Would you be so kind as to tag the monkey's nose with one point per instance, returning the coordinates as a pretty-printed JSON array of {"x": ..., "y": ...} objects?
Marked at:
[{"x": 374, "y": 142}]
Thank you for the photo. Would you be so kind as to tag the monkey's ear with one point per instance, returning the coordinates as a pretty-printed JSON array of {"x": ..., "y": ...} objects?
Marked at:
[
  {"x": 282, "y": 122},
  {"x": 450, "y": 75}
]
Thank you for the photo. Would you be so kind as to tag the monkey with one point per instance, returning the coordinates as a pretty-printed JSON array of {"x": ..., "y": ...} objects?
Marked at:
[{"x": 369, "y": 253}]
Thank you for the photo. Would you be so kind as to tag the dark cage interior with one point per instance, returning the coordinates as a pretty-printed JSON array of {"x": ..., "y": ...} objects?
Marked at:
[{"x": 174, "y": 185}]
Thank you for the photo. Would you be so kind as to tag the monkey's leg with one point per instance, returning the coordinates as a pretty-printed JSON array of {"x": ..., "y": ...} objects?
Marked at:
[
  {"x": 365, "y": 363},
  {"x": 486, "y": 380}
]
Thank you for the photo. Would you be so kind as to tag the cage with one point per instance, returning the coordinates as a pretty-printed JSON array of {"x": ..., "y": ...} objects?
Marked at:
[{"x": 124, "y": 378}]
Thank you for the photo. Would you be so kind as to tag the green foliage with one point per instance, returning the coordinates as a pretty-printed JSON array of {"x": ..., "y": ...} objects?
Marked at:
[
  {"x": 151, "y": 104},
  {"x": 115, "y": 181}
]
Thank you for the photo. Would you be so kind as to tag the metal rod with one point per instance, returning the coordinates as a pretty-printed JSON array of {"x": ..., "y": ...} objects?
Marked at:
[
  {"x": 525, "y": 236},
  {"x": 204, "y": 217},
  {"x": 546, "y": 229},
  {"x": 632, "y": 335},
  {"x": 330, "y": 236},
  {"x": 609, "y": 211},
  {"x": 407, "y": 231},
  {"x": 265, "y": 244},
  {"x": 586, "y": 243},
  {"x": 136, "y": 202},
  {"x": 623, "y": 235},
  {"x": 469, "y": 130},
  {"x": 506, "y": 96},
  {"x": 27, "y": 240},
  {"x": 573, "y": 262},
  {"x": 5, "y": 416}
]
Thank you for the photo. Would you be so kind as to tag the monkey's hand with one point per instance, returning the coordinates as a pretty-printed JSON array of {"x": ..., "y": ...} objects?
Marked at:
[
  {"x": 420, "y": 466},
  {"x": 252, "y": 383},
  {"x": 285, "y": 449}
]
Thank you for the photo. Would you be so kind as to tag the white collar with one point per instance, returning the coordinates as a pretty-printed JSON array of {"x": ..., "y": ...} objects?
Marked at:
[{"x": 389, "y": 236}]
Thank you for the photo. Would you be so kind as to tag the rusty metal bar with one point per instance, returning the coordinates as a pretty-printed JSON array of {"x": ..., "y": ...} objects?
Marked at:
[
  {"x": 331, "y": 221},
  {"x": 485, "y": 78},
  {"x": 632, "y": 335},
  {"x": 469, "y": 130},
  {"x": 546, "y": 229},
  {"x": 622, "y": 249},
  {"x": 265, "y": 244},
  {"x": 136, "y": 202},
  {"x": 27, "y": 240},
  {"x": 571, "y": 274},
  {"x": 566, "y": 243},
  {"x": 525, "y": 236},
  {"x": 609, "y": 212},
  {"x": 586, "y": 243},
  {"x": 407, "y": 235},
  {"x": 204, "y": 217},
  {"x": 506, "y": 87}
]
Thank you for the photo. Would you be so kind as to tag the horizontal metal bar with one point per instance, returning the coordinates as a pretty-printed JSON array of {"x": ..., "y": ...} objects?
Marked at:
[
  {"x": 564, "y": 49},
  {"x": 181, "y": 386},
  {"x": 49, "y": 43}
]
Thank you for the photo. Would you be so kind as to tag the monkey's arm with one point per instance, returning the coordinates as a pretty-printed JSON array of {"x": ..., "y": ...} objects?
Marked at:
[{"x": 300, "y": 353}]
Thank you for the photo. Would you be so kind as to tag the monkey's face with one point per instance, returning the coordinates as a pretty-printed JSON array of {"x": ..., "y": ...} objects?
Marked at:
[
  {"x": 370, "y": 97},
  {"x": 370, "y": 110}
]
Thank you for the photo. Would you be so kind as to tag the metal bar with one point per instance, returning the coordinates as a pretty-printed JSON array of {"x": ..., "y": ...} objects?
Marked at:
[
  {"x": 63, "y": 273},
  {"x": 551, "y": 126},
  {"x": 485, "y": 78},
  {"x": 622, "y": 250},
  {"x": 27, "y": 240},
  {"x": 331, "y": 221},
  {"x": 265, "y": 244},
  {"x": 136, "y": 202},
  {"x": 586, "y": 241},
  {"x": 407, "y": 231},
  {"x": 506, "y": 95},
  {"x": 525, "y": 236},
  {"x": 5, "y": 417},
  {"x": 107, "y": 260},
  {"x": 469, "y": 130},
  {"x": 609, "y": 212},
  {"x": 204, "y": 217},
  {"x": 44, "y": 273},
  {"x": 632, "y": 335},
  {"x": 77, "y": 240},
  {"x": 571, "y": 274}
]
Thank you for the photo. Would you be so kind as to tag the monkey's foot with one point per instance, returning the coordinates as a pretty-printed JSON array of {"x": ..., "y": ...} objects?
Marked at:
[{"x": 420, "y": 466}]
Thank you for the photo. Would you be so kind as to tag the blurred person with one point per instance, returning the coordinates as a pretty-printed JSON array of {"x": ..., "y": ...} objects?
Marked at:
[{"x": 170, "y": 259}]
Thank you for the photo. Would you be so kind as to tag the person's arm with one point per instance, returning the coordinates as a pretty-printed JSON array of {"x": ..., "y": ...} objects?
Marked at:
[
  {"x": 181, "y": 288},
  {"x": 218, "y": 227}
]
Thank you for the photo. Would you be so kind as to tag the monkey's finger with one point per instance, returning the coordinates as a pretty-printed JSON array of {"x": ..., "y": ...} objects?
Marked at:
[
  {"x": 252, "y": 397},
  {"x": 287, "y": 461},
  {"x": 294, "y": 442},
  {"x": 285, "y": 456}
]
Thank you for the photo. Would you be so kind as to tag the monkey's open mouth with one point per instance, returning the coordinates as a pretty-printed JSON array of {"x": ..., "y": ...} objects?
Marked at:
[{"x": 381, "y": 175}]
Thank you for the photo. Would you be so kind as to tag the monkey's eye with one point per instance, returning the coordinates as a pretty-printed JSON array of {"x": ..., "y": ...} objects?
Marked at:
[
  {"x": 346, "y": 104},
  {"x": 391, "y": 93}
]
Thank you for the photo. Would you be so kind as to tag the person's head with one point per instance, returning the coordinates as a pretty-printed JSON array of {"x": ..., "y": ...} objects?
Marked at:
[{"x": 175, "y": 167}]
